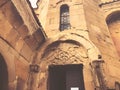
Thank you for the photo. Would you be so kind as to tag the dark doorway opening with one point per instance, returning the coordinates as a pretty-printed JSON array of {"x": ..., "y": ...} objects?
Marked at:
[
  {"x": 65, "y": 77},
  {"x": 3, "y": 74}
]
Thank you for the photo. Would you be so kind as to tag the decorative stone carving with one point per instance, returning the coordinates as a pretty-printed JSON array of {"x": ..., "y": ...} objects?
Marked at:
[{"x": 65, "y": 53}]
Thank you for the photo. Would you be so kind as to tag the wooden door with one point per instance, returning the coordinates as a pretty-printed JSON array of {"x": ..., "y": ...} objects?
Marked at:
[{"x": 65, "y": 77}]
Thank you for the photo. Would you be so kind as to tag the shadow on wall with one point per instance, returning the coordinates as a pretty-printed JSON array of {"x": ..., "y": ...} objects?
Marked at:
[{"x": 3, "y": 74}]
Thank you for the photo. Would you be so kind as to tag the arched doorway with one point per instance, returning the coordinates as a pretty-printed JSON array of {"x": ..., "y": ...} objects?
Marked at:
[
  {"x": 62, "y": 60},
  {"x": 113, "y": 22},
  {"x": 3, "y": 74},
  {"x": 70, "y": 49}
]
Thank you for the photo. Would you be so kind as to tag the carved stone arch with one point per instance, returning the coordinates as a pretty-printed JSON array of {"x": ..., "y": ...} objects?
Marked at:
[
  {"x": 92, "y": 50},
  {"x": 65, "y": 52},
  {"x": 61, "y": 52},
  {"x": 66, "y": 49}
]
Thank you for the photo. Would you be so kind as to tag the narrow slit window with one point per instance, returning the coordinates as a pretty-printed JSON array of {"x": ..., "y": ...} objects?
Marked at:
[{"x": 64, "y": 17}]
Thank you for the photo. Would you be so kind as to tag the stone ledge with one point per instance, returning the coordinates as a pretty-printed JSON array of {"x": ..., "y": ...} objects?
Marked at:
[{"x": 108, "y": 2}]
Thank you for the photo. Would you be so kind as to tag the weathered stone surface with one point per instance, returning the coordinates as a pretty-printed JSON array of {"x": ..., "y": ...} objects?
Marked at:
[
  {"x": 88, "y": 18},
  {"x": 23, "y": 31},
  {"x": 13, "y": 48},
  {"x": 26, "y": 52},
  {"x": 21, "y": 69},
  {"x": 20, "y": 84},
  {"x": 12, "y": 14},
  {"x": 88, "y": 37},
  {"x": 9, "y": 59},
  {"x": 12, "y": 37},
  {"x": 38, "y": 36},
  {"x": 5, "y": 26},
  {"x": 115, "y": 33},
  {"x": 65, "y": 53},
  {"x": 19, "y": 44},
  {"x": 2, "y": 2},
  {"x": 31, "y": 42}
]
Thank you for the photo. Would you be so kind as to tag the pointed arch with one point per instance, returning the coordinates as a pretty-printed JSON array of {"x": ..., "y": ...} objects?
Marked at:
[{"x": 64, "y": 17}]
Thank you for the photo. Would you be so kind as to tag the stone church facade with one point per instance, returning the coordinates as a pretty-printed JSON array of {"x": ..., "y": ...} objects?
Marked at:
[{"x": 60, "y": 45}]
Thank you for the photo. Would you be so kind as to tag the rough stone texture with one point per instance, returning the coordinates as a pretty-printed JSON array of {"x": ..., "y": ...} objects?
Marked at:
[
  {"x": 88, "y": 21},
  {"x": 17, "y": 53},
  {"x": 99, "y": 34},
  {"x": 41, "y": 12},
  {"x": 115, "y": 33},
  {"x": 23, "y": 41},
  {"x": 24, "y": 68},
  {"x": 8, "y": 10},
  {"x": 23, "y": 31},
  {"x": 52, "y": 19},
  {"x": 61, "y": 53},
  {"x": 65, "y": 53},
  {"x": 2, "y": 2}
]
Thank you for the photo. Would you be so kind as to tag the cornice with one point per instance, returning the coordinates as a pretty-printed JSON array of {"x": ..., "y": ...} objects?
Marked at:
[{"x": 108, "y": 2}]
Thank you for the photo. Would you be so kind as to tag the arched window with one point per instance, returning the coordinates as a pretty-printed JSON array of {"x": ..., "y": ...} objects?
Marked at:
[
  {"x": 64, "y": 17},
  {"x": 113, "y": 22}
]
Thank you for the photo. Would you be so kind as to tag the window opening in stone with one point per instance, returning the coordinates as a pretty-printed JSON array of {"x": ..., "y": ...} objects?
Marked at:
[
  {"x": 115, "y": 16},
  {"x": 3, "y": 74},
  {"x": 113, "y": 22},
  {"x": 65, "y": 77},
  {"x": 64, "y": 17}
]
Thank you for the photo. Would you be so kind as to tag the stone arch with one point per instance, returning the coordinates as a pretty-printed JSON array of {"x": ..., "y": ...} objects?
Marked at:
[
  {"x": 92, "y": 50},
  {"x": 58, "y": 5},
  {"x": 64, "y": 52},
  {"x": 3, "y": 74},
  {"x": 113, "y": 23},
  {"x": 53, "y": 52},
  {"x": 9, "y": 60},
  {"x": 110, "y": 12}
]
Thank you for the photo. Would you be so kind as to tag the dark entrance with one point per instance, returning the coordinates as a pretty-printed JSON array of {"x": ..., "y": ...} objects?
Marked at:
[
  {"x": 3, "y": 74},
  {"x": 65, "y": 77}
]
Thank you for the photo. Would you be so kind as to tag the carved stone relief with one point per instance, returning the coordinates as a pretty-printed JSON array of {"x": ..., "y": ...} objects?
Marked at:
[
  {"x": 65, "y": 53},
  {"x": 60, "y": 53}
]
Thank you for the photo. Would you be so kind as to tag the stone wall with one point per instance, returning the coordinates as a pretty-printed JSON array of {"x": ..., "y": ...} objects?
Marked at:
[
  {"x": 23, "y": 42},
  {"x": 87, "y": 21},
  {"x": 100, "y": 36},
  {"x": 114, "y": 30},
  {"x": 64, "y": 52},
  {"x": 17, "y": 43},
  {"x": 52, "y": 18},
  {"x": 42, "y": 11},
  {"x": 111, "y": 11}
]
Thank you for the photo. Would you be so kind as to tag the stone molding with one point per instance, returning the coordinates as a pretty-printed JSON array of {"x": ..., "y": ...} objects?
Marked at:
[
  {"x": 92, "y": 50},
  {"x": 108, "y": 2}
]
